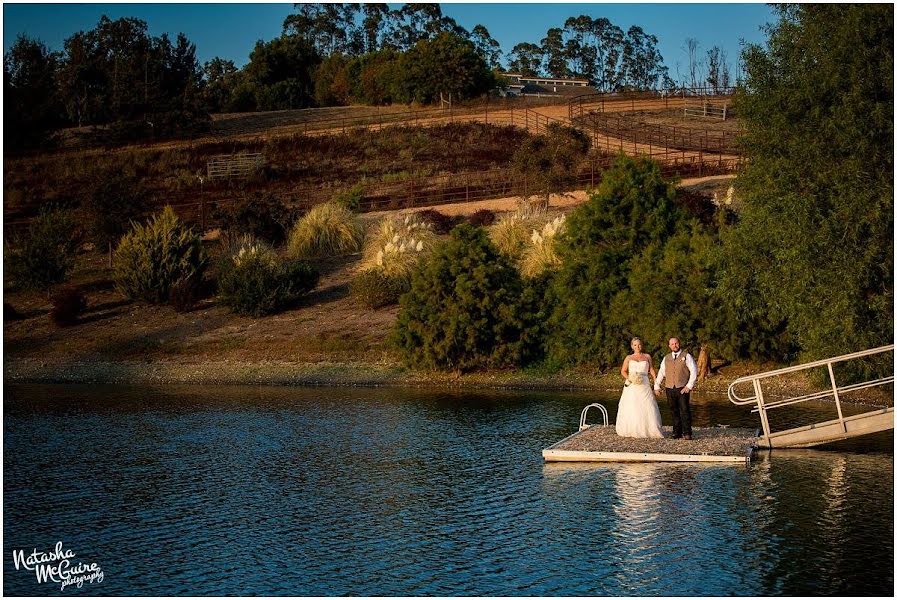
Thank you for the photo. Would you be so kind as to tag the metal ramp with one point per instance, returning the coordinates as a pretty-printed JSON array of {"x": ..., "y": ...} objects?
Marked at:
[{"x": 814, "y": 434}]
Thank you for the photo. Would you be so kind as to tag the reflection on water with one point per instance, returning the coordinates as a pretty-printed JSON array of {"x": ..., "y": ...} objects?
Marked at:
[{"x": 189, "y": 490}]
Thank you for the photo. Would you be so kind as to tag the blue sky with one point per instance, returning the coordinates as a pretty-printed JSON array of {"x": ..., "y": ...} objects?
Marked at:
[{"x": 231, "y": 30}]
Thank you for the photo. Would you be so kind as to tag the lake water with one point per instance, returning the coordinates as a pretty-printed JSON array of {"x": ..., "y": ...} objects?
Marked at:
[{"x": 339, "y": 491}]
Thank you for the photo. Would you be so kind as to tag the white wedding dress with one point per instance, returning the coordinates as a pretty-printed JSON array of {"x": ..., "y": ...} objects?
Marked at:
[{"x": 638, "y": 415}]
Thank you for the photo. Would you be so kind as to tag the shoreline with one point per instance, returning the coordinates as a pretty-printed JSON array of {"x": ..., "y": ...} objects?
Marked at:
[
  {"x": 347, "y": 374},
  {"x": 336, "y": 374}
]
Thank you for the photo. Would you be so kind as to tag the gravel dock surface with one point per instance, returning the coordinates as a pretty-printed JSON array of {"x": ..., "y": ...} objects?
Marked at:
[{"x": 715, "y": 441}]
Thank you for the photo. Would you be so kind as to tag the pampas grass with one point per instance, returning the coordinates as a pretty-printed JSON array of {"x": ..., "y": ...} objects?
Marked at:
[
  {"x": 397, "y": 245},
  {"x": 328, "y": 229},
  {"x": 540, "y": 254}
]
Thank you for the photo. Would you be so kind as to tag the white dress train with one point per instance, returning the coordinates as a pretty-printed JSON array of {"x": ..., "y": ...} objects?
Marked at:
[{"x": 638, "y": 415}]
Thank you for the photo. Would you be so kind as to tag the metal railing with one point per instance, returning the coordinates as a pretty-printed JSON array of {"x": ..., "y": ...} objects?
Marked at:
[
  {"x": 224, "y": 166},
  {"x": 835, "y": 392},
  {"x": 582, "y": 417}
]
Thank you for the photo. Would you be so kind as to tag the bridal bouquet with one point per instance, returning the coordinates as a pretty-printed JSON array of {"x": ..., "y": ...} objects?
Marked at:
[{"x": 635, "y": 378}]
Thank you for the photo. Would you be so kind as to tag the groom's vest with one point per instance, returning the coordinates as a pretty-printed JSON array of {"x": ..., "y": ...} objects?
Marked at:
[{"x": 676, "y": 372}]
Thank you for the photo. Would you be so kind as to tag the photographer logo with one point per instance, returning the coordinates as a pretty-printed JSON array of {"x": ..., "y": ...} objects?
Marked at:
[{"x": 58, "y": 566}]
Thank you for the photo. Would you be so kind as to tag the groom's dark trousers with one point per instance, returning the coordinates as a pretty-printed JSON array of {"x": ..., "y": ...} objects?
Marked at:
[{"x": 681, "y": 411}]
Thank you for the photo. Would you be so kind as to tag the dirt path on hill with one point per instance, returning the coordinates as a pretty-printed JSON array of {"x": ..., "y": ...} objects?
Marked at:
[{"x": 705, "y": 185}]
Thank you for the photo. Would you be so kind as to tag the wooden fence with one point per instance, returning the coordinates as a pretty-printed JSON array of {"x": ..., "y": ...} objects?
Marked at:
[
  {"x": 681, "y": 153},
  {"x": 452, "y": 188}
]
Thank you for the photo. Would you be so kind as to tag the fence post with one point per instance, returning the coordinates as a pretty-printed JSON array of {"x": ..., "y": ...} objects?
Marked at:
[{"x": 467, "y": 187}]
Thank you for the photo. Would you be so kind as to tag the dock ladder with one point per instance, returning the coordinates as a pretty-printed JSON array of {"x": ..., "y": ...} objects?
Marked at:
[{"x": 814, "y": 434}]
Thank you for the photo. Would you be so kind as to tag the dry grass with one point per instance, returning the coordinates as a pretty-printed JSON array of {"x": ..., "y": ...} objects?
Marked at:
[{"x": 328, "y": 229}]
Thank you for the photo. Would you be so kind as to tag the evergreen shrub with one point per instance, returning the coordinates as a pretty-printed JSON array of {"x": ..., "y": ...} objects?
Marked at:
[
  {"x": 153, "y": 257},
  {"x": 261, "y": 215},
  {"x": 632, "y": 209},
  {"x": 45, "y": 254},
  {"x": 255, "y": 282},
  {"x": 463, "y": 310},
  {"x": 374, "y": 289}
]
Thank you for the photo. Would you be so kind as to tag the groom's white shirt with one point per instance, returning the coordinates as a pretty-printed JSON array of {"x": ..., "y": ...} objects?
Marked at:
[{"x": 689, "y": 363}]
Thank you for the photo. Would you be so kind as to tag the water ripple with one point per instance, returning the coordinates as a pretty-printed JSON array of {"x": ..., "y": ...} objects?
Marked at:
[{"x": 279, "y": 491}]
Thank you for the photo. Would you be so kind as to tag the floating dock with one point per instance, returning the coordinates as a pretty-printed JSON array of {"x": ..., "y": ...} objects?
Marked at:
[{"x": 596, "y": 443}]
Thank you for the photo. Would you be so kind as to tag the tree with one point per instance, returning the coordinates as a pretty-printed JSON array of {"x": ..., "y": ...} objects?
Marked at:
[
  {"x": 221, "y": 78},
  {"x": 580, "y": 46},
  {"x": 31, "y": 104},
  {"x": 413, "y": 23},
  {"x": 526, "y": 59},
  {"x": 694, "y": 65},
  {"x": 553, "y": 51},
  {"x": 374, "y": 23},
  {"x": 715, "y": 58},
  {"x": 446, "y": 64},
  {"x": 332, "y": 86},
  {"x": 551, "y": 161},
  {"x": 611, "y": 50},
  {"x": 632, "y": 209},
  {"x": 328, "y": 28},
  {"x": 642, "y": 66},
  {"x": 486, "y": 46},
  {"x": 282, "y": 71},
  {"x": 814, "y": 245}
]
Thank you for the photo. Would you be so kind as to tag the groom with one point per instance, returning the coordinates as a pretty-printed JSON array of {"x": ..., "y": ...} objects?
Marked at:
[{"x": 679, "y": 370}]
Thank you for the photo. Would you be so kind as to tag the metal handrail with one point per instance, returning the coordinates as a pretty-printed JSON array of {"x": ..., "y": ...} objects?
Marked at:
[
  {"x": 736, "y": 399},
  {"x": 582, "y": 417},
  {"x": 835, "y": 391}
]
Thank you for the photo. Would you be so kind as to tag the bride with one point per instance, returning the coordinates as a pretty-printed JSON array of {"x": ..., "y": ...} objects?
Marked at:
[{"x": 638, "y": 415}]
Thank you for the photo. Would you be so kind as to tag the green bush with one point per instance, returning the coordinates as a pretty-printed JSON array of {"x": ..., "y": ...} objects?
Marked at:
[
  {"x": 255, "y": 282},
  {"x": 351, "y": 198},
  {"x": 328, "y": 229},
  {"x": 463, "y": 310},
  {"x": 151, "y": 258},
  {"x": 45, "y": 254},
  {"x": 374, "y": 289},
  {"x": 114, "y": 200},
  {"x": 632, "y": 209},
  {"x": 260, "y": 215}
]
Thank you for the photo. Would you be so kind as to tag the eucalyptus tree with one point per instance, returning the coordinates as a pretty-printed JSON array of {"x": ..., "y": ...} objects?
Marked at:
[
  {"x": 642, "y": 65},
  {"x": 526, "y": 59},
  {"x": 610, "y": 43},
  {"x": 581, "y": 46},
  {"x": 486, "y": 46},
  {"x": 554, "y": 53}
]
